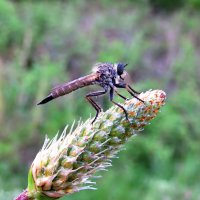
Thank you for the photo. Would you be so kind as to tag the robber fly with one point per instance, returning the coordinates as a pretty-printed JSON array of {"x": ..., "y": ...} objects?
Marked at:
[{"x": 107, "y": 75}]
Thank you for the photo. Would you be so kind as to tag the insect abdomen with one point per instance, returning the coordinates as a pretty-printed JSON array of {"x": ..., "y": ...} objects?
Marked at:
[
  {"x": 67, "y": 88},
  {"x": 73, "y": 85}
]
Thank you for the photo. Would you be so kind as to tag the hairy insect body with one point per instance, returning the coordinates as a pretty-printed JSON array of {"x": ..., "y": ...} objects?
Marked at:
[{"x": 107, "y": 74}]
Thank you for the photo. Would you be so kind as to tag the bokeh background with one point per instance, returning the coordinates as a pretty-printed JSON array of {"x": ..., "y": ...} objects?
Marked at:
[{"x": 44, "y": 43}]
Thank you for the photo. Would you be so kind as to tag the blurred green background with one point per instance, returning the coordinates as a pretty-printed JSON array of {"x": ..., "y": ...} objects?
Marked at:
[{"x": 43, "y": 43}]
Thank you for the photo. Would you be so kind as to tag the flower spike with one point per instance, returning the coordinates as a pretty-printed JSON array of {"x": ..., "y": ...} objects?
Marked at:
[{"x": 66, "y": 164}]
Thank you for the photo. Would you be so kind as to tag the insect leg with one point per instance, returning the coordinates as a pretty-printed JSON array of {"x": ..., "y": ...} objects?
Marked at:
[
  {"x": 123, "y": 97},
  {"x": 95, "y": 94},
  {"x": 129, "y": 89},
  {"x": 114, "y": 84},
  {"x": 97, "y": 108},
  {"x": 93, "y": 103},
  {"x": 111, "y": 99},
  {"x": 122, "y": 85},
  {"x": 134, "y": 95},
  {"x": 133, "y": 89}
]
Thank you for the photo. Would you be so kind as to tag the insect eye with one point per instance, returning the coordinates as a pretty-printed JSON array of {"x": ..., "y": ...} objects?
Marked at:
[{"x": 120, "y": 68}]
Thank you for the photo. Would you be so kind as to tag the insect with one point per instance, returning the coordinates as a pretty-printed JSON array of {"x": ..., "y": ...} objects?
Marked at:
[{"x": 107, "y": 75}]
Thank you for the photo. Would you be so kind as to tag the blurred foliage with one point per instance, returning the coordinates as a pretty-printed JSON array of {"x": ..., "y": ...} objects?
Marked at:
[{"x": 45, "y": 43}]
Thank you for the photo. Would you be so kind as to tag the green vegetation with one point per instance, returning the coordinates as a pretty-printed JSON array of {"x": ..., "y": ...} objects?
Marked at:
[{"x": 44, "y": 43}]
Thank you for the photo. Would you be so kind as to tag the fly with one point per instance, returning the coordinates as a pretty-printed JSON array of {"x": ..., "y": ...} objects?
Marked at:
[{"x": 107, "y": 75}]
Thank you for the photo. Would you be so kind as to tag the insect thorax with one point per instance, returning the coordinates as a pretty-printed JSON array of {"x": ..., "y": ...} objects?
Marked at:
[{"x": 107, "y": 73}]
